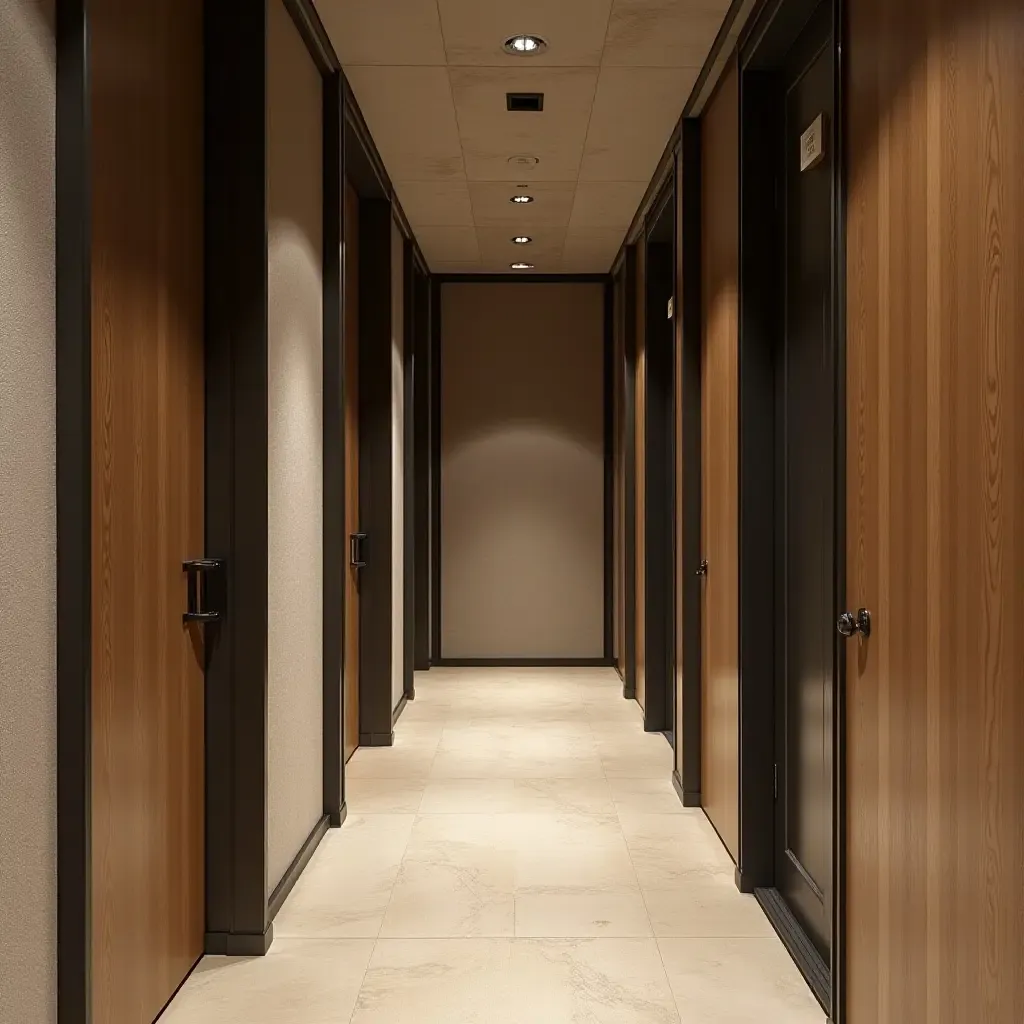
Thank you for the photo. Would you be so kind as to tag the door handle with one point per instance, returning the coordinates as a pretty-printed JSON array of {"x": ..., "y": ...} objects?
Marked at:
[
  {"x": 196, "y": 568},
  {"x": 355, "y": 550},
  {"x": 702, "y": 569},
  {"x": 849, "y": 624}
]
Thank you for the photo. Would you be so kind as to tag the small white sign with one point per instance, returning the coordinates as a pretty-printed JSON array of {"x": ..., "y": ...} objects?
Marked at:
[
  {"x": 812, "y": 144},
  {"x": 670, "y": 309}
]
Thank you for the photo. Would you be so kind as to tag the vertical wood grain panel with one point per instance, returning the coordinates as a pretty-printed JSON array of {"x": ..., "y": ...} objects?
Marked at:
[
  {"x": 678, "y": 525},
  {"x": 147, "y": 502},
  {"x": 351, "y": 673},
  {"x": 640, "y": 478},
  {"x": 619, "y": 470},
  {"x": 935, "y": 891},
  {"x": 720, "y": 461}
]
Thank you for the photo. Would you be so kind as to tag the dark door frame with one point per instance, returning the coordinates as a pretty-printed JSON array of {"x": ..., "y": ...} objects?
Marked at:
[
  {"x": 766, "y": 41},
  {"x": 659, "y": 446},
  {"x": 688, "y": 618},
  {"x": 626, "y": 318}
]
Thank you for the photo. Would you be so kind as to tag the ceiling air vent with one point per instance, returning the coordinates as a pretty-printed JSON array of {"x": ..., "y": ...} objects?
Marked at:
[{"x": 524, "y": 100}]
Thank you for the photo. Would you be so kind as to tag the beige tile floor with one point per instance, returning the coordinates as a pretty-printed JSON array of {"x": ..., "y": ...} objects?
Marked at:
[{"x": 518, "y": 856}]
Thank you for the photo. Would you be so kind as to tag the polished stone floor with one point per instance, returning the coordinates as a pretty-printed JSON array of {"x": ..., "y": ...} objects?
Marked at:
[{"x": 518, "y": 857}]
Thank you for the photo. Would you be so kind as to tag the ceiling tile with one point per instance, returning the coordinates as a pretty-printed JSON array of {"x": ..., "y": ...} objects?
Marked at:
[
  {"x": 491, "y": 134},
  {"x": 583, "y": 245},
  {"x": 396, "y": 32},
  {"x": 662, "y": 33},
  {"x": 575, "y": 30},
  {"x": 634, "y": 114},
  {"x": 448, "y": 244},
  {"x": 491, "y": 206},
  {"x": 410, "y": 115},
  {"x": 496, "y": 244},
  {"x": 606, "y": 203},
  {"x": 428, "y": 203}
]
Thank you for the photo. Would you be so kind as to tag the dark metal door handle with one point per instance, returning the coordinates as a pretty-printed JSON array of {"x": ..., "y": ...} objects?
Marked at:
[
  {"x": 702, "y": 569},
  {"x": 355, "y": 550},
  {"x": 850, "y": 624},
  {"x": 196, "y": 568}
]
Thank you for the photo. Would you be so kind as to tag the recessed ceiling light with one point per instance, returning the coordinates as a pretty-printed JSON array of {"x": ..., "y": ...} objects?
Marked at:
[
  {"x": 521, "y": 266},
  {"x": 522, "y": 240},
  {"x": 525, "y": 46},
  {"x": 521, "y": 199}
]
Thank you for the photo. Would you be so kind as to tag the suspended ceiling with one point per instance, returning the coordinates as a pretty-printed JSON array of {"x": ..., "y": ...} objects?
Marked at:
[{"x": 431, "y": 78}]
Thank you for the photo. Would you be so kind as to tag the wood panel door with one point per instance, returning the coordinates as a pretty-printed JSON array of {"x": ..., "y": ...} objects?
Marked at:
[
  {"x": 720, "y": 463},
  {"x": 351, "y": 670},
  {"x": 146, "y": 110},
  {"x": 935, "y": 513}
]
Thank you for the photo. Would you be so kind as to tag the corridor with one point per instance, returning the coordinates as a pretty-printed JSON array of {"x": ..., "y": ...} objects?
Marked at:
[{"x": 519, "y": 855}]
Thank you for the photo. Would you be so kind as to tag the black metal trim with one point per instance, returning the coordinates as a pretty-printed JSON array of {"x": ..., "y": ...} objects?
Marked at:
[
  {"x": 74, "y": 516},
  {"x": 654, "y": 194},
  {"x": 375, "y": 466},
  {"x": 297, "y": 866},
  {"x": 230, "y": 944},
  {"x": 377, "y": 739},
  {"x": 659, "y": 498},
  {"x": 691, "y": 354},
  {"x": 236, "y": 471},
  {"x": 801, "y": 949},
  {"x": 399, "y": 708},
  {"x": 421, "y": 454},
  {"x": 609, "y": 471},
  {"x": 314, "y": 35},
  {"x": 513, "y": 277},
  {"x": 435, "y": 470},
  {"x": 629, "y": 291},
  {"x": 409, "y": 374},
  {"x": 525, "y": 663},
  {"x": 334, "y": 555},
  {"x": 687, "y": 797}
]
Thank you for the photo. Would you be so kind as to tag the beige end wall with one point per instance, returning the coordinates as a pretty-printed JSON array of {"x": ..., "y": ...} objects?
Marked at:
[
  {"x": 522, "y": 470},
  {"x": 28, "y": 745},
  {"x": 295, "y": 485},
  {"x": 397, "y": 464}
]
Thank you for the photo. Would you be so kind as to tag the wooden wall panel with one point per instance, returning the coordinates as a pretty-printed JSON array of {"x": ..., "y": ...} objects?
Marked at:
[
  {"x": 618, "y": 471},
  {"x": 935, "y": 473},
  {"x": 640, "y": 478},
  {"x": 720, "y": 461}
]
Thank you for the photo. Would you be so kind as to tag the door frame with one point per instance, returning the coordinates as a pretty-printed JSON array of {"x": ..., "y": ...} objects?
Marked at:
[
  {"x": 659, "y": 477},
  {"x": 764, "y": 42},
  {"x": 239, "y": 913}
]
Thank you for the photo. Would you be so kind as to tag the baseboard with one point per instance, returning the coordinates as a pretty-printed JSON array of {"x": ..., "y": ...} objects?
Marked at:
[
  {"x": 238, "y": 944},
  {"x": 804, "y": 953},
  {"x": 397, "y": 713},
  {"x": 337, "y": 818},
  {"x": 524, "y": 663},
  {"x": 687, "y": 799},
  {"x": 377, "y": 739},
  {"x": 618, "y": 669},
  {"x": 628, "y": 692},
  {"x": 297, "y": 866}
]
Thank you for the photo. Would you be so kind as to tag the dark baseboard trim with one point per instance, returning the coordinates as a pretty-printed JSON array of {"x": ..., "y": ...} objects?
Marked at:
[
  {"x": 297, "y": 866},
  {"x": 524, "y": 663},
  {"x": 804, "y": 953},
  {"x": 337, "y": 819},
  {"x": 629, "y": 692},
  {"x": 687, "y": 799},
  {"x": 376, "y": 739},
  {"x": 397, "y": 713},
  {"x": 238, "y": 944},
  {"x": 743, "y": 883}
]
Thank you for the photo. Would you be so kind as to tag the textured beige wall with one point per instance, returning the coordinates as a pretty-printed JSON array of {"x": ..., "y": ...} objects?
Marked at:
[
  {"x": 397, "y": 463},
  {"x": 295, "y": 486},
  {"x": 522, "y": 470},
  {"x": 28, "y": 754}
]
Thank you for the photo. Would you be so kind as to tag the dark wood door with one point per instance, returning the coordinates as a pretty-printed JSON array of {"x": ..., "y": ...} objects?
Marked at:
[
  {"x": 805, "y": 570},
  {"x": 640, "y": 481},
  {"x": 351, "y": 671},
  {"x": 146, "y": 112}
]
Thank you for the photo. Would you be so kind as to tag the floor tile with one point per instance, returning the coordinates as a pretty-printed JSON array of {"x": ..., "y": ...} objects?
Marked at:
[
  {"x": 736, "y": 981},
  {"x": 668, "y": 849},
  {"x": 299, "y": 981},
  {"x": 646, "y": 796},
  {"x": 582, "y": 914},
  {"x": 384, "y": 796},
  {"x": 599, "y": 981},
  {"x": 706, "y": 906}
]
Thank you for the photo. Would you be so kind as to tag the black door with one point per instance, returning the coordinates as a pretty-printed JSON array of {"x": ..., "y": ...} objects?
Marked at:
[{"x": 806, "y": 524}]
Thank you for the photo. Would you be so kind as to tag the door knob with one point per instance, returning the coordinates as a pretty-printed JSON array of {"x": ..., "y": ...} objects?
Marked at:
[
  {"x": 850, "y": 624},
  {"x": 355, "y": 550},
  {"x": 702, "y": 569},
  {"x": 196, "y": 569}
]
